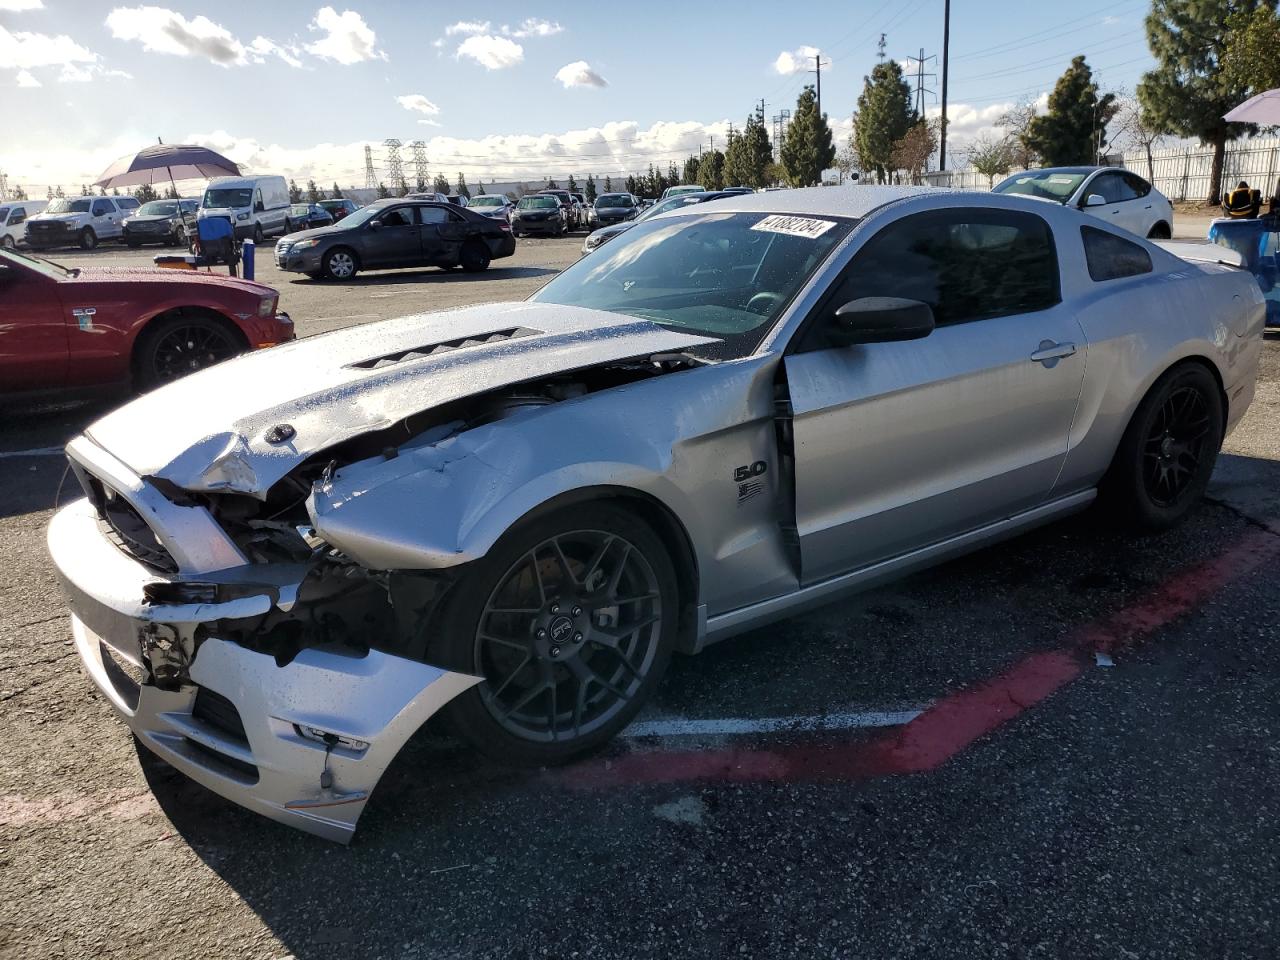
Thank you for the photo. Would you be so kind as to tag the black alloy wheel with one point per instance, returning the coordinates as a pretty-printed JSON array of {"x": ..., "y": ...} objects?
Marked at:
[
  {"x": 1175, "y": 445},
  {"x": 181, "y": 346},
  {"x": 571, "y": 625}
]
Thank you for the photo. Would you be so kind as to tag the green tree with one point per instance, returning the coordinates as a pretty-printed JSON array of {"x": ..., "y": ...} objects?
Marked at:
[
  {"x": 884, "y": 117},
  {"x": 336, "y": 194},
  {"x": 990, "y": 157},
  {"x": 673, "y": 174},
  {"x": 441, "y": 184},
  {"x": 1249, "y": 60},
  {"x": 808, "y": 149},
  {"x": 690, "y": 174},
  {"x": 571, "y": 185},
  {"x": 747, "y": 158},
  {"x": 591, "y": 188},
  {"x": 1068, "y": 135},
  {"x": 913, "y": 151},
  {"x": 608, "y": 184},
  {"x": 171, "y": 192},
  {"x": 633, "y": 185},
  {"x": 383, "y": 192},
  {"x": 19, "y": 193},
  {"x": 1188, "y": 92},
  {"x": 480, "y": 190},
  {"x": 462, "y": 186},
  {"x": 313, "y": 192},
  {"x": 295, "y": 192},
  {"x": 552, "y": 185},
  {"x": 711, "y": 170},
  {"x": 144, "y": 194}
]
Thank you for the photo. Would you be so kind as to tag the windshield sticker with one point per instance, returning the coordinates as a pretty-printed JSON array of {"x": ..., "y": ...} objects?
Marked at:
[
  {"x": 1061, "y": 179},
  {"x": 795, "y": 226}
]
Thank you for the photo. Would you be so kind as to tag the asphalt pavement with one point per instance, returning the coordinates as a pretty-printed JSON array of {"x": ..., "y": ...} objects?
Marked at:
[{"x": 1093, "y": 767}]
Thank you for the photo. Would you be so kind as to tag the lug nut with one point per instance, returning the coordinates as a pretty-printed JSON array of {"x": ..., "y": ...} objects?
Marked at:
[
  {"x": 555, "y": 608},
  {"x": 577, "y": 611},
  {"x": 542, "y": 634},
  {"x": 555, "y": 651},
  {"x": 577, "y": 638}
]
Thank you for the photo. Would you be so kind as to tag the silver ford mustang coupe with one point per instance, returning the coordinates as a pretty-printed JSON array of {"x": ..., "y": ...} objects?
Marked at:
[{"x": 513, "y": 514}]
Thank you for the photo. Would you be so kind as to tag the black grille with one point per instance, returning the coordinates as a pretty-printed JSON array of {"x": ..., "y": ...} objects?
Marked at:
[
  {"x": 123, "y": 525},
  {"x": 445, "y": 346},
  {"x": 220, "y": 713},
  {"x": 246, "y": 770}
]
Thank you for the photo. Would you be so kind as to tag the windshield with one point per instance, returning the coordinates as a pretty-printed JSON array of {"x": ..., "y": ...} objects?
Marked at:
[
  {"x": 671, "y": 203},
  {"x": 691, "y": 188},
  {"x": 332, "y": 204},
  {"x": 725, "y": 275},
  {"x": 488, "y": 202},
  {"x": 299, "y": 210},
  {"x": 46, "y": 267},
  {"x": 1046, "y": 184},
  {"x": 228, "y": 197},
  {"x": 539, "y": 203},
  {"x": 613, "y": 200},
  {"x": 158, "y": 208},
  {"x": 61, "y": 205}
]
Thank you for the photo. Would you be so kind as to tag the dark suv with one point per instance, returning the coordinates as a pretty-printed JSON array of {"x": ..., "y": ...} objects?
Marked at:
[{"x": 570, "y": 208}]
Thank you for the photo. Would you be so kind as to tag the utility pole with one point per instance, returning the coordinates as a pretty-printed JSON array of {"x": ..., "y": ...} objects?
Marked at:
[
  {"x": 760, "y": 112},
  {"x": 817, "y": 69},
  {"x": 946, "y": 57}
]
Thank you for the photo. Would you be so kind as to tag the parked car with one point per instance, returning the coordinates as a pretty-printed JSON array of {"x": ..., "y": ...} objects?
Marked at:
[
  {"x": 436, "y": 197},
  {"x": 95, "y": 328},
  {"x": 679, "y": 189},
  {"x": 540, "y": 213},
  {"x": 458, "y": 200},
  {"x": 737, "y": 190},
  {"x": 611, "y": 208},
  {"x": 397, "y": 233},
  {"x": 605, "y": 234},
  {"x": 571, "y": 213},
  {"x": 306, "y": 216},
  {"x": 170, "y": 222},
  {"x": 1119, "y": 197},
  {"x": 495, "y": 205},
  {"x": 77, "y": 221},
  {"x": 13, "y": 220},
  {"x": 339, "y": 207},
  {"x": 296, "y": 558},
  {"x": 256, "y": 206}
]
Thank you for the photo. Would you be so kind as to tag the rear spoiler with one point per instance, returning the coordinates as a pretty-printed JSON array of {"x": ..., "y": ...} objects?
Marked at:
[{"x": 1200, "y": 252}]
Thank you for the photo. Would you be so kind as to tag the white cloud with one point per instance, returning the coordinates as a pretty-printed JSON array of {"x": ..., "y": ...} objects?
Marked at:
[
  {"x": 20, "y": 51},
  {"x": 467, "y": 27},
  {"x": 492, "y": 53},
  {"x": 262, "y": 48},
  {"x": 533, "y": 27},
  {"x": 18, "y": 6},
  {"x": 25, "y": 79},
  {"x": 438, "y": 43},
  {"x": 160, "y": 30},
  {"x": 795, "y": 61},
  {"x": 71, "y": 73},
  {"x": 416, "y": 101},
  {"x": 347, "y": 40},
  {"x": 430, "y": 123},
  {"x": 580, "y": 74}
]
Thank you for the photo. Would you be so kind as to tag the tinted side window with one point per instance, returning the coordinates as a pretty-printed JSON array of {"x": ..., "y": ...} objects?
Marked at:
[
  {"x": 102, "y": 207},
  {"x": 1110, "y": 257},
  {"x": 398, "y": 217},
  {"x": 966, "y": 264},
  {"x": 1113, "y": 188},
  {"x": 1135, "y": 183}
]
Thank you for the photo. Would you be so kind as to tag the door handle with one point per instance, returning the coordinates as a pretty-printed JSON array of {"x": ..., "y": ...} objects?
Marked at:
[{"x": 1049, "y": 353}]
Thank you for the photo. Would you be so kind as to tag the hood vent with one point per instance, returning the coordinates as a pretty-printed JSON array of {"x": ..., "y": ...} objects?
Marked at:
[{"x": 445, "y": 346}]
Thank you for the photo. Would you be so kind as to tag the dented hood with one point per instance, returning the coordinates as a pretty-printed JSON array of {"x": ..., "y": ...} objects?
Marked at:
[{"x": 244, "y": 424}]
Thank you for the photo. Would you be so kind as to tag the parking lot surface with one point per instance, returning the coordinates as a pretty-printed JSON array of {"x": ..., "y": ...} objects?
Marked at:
[{"x": 1066, "y": 745}]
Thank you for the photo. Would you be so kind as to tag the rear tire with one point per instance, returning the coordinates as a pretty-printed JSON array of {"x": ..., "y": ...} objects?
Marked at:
[
  {"x": 8, "y": 243},
  {"x": 475, "y": 256},
  {"x": 258, "y": 235},
  {"x": 1168, "y": 451},
  {"x": 133, "y": 244},
  {"x": 1160, "y": 232},
  {"x": 564, "y": 677},
  {"x": 88, "y": 239}
]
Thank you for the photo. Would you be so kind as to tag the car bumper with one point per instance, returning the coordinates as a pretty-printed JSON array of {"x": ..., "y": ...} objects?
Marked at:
[
  {"x": 305, "y": 261},
  {"x": 537, "y": 226},
  {"x": 264, "y": 763},
  {"x": 504, "y": 246}
]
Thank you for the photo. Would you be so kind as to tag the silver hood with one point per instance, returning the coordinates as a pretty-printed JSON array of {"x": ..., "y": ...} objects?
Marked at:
[{"x": 209, "y": 431}]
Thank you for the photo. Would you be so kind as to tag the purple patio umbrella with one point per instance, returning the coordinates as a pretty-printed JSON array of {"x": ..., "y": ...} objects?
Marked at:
[
  {"x": 167, "y": 161},
  {"x": 1264, "y": 110}
]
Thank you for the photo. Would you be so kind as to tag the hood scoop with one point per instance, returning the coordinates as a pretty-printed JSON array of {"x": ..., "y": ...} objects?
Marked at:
[{"x": 445, "y": 346}]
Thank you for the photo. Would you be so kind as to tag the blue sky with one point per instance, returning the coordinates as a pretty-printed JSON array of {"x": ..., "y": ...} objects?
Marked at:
[{"x": 514, "y": 90}]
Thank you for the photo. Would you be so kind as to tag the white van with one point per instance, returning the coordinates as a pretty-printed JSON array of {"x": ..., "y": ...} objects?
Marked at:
[
  {"x": 256, "y": 205},
  {"x": 13, "y": 219}
]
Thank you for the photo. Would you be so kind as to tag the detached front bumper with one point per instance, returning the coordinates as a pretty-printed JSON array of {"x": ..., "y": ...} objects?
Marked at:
[{"x": 238, "y": 723}]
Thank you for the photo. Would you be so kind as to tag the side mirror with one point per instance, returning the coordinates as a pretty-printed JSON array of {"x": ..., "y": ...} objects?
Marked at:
[
  {"x": 880, "y": 320},
  {"x": 375, "y": 224},
  {"x": 1095, "y": 200}
]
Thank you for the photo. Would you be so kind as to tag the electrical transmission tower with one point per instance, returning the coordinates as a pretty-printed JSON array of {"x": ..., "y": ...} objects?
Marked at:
[
  {"x": 780, "y": 121},
  {"x": 4, "y": 185},
  {"x": 395, "y": 166},
  {"x": 370, "y": 175},
  {"x": 920, "y": 77},
  {"x": 420, "y": 163}
]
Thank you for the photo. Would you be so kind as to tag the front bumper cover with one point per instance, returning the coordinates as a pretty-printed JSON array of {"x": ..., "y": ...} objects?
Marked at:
[{"x": 374, "y": 703}]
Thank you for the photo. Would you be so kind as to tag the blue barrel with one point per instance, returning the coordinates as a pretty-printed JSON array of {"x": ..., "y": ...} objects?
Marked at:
[{"x": 246, "y": 259}]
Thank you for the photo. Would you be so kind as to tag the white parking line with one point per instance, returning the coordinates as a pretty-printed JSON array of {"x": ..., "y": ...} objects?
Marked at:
[
  {"x": 729, "y": 726},
  {"x": 33, "y": 452}
]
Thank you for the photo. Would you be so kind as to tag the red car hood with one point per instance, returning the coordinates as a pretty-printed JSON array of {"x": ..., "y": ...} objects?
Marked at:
[{"x": 162, "y": 275}]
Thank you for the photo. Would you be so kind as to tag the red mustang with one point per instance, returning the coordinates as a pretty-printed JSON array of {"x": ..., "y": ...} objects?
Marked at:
[{"x": 101, "y": 327}]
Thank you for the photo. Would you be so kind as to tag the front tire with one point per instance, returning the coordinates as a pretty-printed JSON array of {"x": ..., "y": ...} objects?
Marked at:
[
  {"x": 8, "y": 243},
  {"x": 258, "y": 235},
  {"x": 181, "y": 345},
  {"x": 88, "y": 239},
  {"x": 1168, "y": 451},
  {"x": 340, "y": 264},
  {"x": 571, "y": 620}
]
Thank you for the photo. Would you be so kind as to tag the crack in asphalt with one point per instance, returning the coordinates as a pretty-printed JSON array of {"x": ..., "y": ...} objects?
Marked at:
[
  {"x": 1251, "y": 520},
  {"x": 36, "y": 663}
]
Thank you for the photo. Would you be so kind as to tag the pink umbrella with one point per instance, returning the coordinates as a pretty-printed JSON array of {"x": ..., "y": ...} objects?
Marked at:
[{"x": 1264, "y": 110}]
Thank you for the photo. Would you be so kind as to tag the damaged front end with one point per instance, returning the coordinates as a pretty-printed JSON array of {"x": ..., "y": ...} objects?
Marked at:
[{"x": 261, "y": 641}]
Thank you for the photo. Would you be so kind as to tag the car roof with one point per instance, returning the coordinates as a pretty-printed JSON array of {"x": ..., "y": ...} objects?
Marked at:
[{"x": 854, "y": 201}]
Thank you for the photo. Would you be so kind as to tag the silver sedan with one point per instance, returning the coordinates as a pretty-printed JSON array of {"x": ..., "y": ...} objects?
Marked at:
[{"x": 514, "y": 514}]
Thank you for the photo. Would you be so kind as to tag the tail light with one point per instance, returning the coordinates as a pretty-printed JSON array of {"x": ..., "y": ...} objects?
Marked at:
[{"x": 505, "y": 226}]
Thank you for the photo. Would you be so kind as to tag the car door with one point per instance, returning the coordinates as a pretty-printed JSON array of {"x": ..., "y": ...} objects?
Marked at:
[
  {"x": 394, "y": 242},
  {"x": 33, "y": 330},
  {"x": 106, "y": 219},
  {"x": 1122, "y": 208},
  {"x": 901, "y": 445},
  {"x": 440, "y": 243}
]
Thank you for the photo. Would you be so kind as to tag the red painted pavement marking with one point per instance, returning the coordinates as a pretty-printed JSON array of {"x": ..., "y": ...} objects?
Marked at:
[{"x": 955, "y": 722}]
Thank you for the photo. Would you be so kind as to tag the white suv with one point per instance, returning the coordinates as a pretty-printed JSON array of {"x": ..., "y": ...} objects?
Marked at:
[{"x": 82, "y": 221}]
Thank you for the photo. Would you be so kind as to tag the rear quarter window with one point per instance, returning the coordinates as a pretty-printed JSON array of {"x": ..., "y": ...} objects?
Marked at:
[{"x": 1113, "y": 258}]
